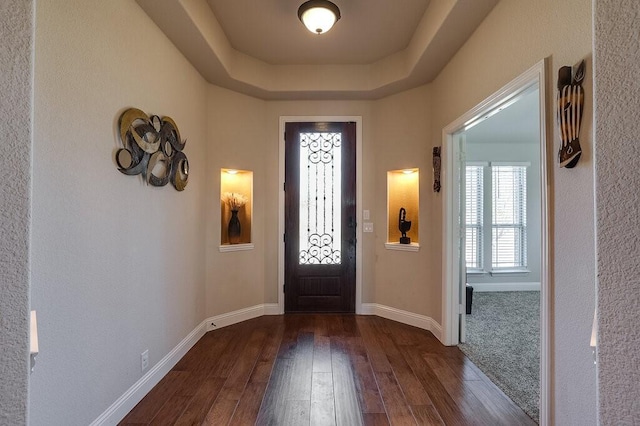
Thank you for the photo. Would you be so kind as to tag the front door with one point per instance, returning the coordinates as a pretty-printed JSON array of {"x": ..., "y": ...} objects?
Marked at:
[{"x": 320, "y": 217}]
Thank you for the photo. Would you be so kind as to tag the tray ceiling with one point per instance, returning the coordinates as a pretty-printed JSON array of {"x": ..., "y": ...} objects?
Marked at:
[{"x": 260, "y": 48}]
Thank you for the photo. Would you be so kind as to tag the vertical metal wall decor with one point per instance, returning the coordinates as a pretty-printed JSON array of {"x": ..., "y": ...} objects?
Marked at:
[
  {"x": 570, "y": 106},
  {"x": 152, "y": 145},
  {"x": 320, "y": 198},
  {"x": 436, "y": 169}
]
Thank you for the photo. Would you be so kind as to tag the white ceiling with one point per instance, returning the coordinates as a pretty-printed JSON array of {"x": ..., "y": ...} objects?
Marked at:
[
  {"x": 260, "y": 48},
  {"x": 518, "y": 123}
]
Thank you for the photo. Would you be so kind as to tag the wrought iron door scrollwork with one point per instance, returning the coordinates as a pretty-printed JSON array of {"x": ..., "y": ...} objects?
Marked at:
[
  {"x": 321, "y": 146},
  {"x": 320, "y": 251},
  {"x": 320, "y": 242}
]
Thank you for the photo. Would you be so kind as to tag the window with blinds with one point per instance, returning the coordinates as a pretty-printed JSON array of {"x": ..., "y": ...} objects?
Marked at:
[
  {"x": 509, "y": 217},
  {"x": 505, "y": 195},
  {"x": 474, "y": 217}
]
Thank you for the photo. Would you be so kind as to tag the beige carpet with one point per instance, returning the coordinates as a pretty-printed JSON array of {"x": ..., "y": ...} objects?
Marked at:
[{"x": 503, "y": 340}]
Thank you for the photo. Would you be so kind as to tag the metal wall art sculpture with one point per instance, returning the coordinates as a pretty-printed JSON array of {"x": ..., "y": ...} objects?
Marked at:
[
  {"x": 570, "y": 105},
  {"x": 153, "y": 148}
]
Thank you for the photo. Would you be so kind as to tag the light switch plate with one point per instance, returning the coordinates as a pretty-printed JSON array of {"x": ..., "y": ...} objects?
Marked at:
[
  {"x": 367, "y": 227},
  {"x": 366, "y": 215}
]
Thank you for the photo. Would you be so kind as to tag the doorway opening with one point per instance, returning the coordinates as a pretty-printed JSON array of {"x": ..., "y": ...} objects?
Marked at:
[{"x": 492, "y": 238}]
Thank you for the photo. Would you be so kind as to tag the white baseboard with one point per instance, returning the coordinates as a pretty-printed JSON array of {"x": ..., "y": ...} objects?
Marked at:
[
  {"x": 121, "y": 407},
  {"x": 230, "y": 318},
  {"x": 481, "y": 287},
  {"x": 405, "y": 317},
  {"x": 272, "y": 309}
]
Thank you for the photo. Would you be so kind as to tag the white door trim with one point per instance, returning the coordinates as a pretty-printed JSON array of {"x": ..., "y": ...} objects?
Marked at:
[
  {"x": 451, "y": 257},
  {"x": 336, "y": 119}
]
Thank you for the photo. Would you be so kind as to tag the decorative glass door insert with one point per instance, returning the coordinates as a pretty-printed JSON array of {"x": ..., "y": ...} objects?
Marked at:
[{"x": 320, "y": 198}]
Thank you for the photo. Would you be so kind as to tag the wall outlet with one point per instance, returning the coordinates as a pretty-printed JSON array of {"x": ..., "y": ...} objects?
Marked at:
[
  {"x": 144, "y": 360},
  {"x": 368, "y": 227}
]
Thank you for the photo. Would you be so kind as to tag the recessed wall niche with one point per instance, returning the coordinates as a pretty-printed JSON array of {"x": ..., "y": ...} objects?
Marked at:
[
  {"x": 403, "y": 193},
  {"x": 236, "y": 209}
]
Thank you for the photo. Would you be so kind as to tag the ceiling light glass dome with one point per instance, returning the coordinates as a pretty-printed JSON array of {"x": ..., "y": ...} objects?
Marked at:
[{"x": 318, "y": 15}]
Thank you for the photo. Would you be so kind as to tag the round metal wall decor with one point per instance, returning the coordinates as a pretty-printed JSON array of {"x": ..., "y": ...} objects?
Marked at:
[{"x": 152, "y": 147}]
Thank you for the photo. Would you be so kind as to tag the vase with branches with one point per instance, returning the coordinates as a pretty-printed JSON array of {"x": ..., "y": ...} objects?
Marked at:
[{"x": 235, "y": 201}]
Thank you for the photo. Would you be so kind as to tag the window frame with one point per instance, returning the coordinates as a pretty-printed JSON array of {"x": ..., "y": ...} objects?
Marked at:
[{"x": 485, "y": 256}]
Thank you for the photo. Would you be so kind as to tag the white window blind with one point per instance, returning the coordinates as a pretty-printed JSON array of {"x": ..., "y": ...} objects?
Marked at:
[
  {"x": 509, "y": 217},
  {"x": 474, "y": 217}
]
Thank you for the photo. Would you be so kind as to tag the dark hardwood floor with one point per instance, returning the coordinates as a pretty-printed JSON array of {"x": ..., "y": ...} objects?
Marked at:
[{"x": 324, "y": 369}]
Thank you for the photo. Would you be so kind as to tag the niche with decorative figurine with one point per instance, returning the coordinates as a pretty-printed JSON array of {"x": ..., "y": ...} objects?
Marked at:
[
  {"x": 403, "y": 208},
  {"x": 236, "y": 202}
]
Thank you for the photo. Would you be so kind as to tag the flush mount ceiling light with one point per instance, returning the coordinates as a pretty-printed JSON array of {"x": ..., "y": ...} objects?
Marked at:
[{"x": 318, "y": 15}]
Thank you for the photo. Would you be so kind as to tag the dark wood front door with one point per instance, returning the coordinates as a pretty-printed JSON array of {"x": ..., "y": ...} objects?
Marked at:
[{"x": 320, "y": 217}]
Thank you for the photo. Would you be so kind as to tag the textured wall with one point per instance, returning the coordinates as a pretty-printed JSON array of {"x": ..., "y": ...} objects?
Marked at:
[
  {"x": 117, "y": 266},
  {"x": 16, "y": 71},
  {"x": 617, "y": 64}
]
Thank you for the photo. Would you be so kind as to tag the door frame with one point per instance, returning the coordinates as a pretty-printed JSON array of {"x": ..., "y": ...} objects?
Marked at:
[
  {"x": 451, "y": 233},
  {"x": 281, "y": 199}
]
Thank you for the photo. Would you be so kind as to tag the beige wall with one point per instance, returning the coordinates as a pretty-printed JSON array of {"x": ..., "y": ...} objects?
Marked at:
[
  {"x": 402, "y": 126},
  {"x": 236, "y": 139},
  {"x": 117, "y": 266},
  {"x": 515, "y": 36}
]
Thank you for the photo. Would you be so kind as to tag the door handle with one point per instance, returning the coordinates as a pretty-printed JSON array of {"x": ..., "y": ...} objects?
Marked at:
[{"x": 352, "y": 248}]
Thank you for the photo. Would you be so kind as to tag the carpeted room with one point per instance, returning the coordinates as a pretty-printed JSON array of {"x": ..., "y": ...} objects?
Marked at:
[{"x": 503, "y": 340}]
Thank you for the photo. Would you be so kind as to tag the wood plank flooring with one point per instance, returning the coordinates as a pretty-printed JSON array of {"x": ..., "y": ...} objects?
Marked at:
[{"x": 321, "y": 370}]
